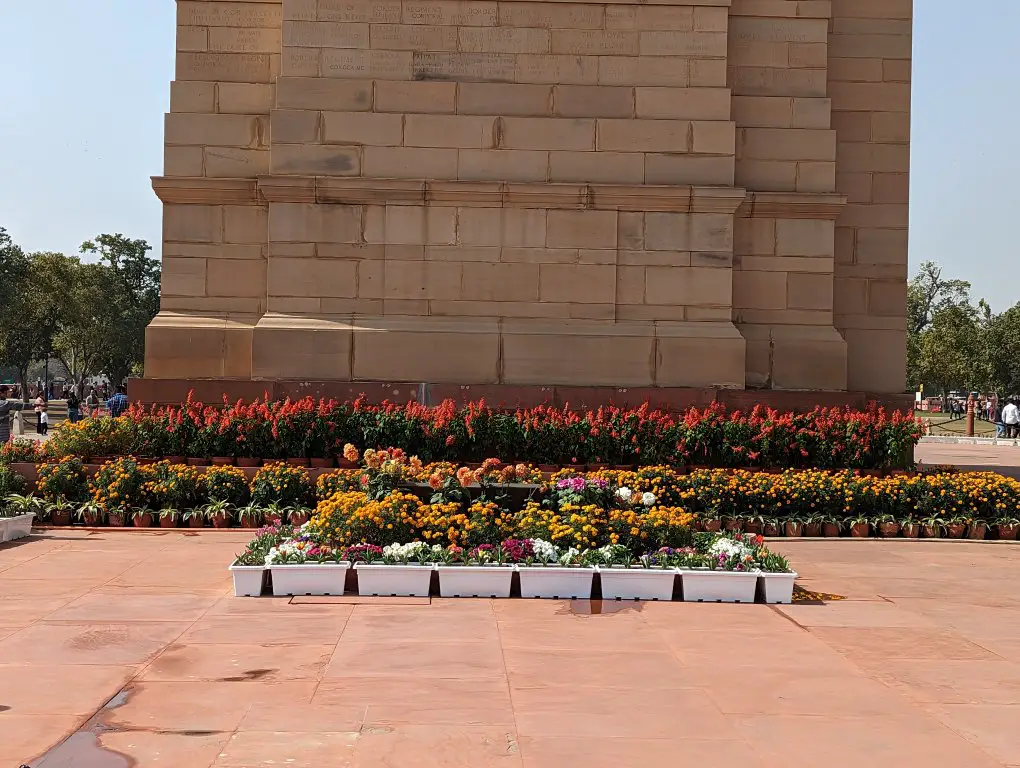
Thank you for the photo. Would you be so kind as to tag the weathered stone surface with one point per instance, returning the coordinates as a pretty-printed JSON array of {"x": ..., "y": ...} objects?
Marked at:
[{"x": 703, "y": 193}]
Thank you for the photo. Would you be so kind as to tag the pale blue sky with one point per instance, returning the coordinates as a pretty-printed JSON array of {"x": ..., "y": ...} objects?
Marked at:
[{"x": 84, "y": 85}]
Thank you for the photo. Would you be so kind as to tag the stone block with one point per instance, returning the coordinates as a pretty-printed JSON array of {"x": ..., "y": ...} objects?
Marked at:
[
  {"x": 182, "y": 277},
  {"x": 245, "y": 224},
  {"x": 581, "y": 283},
  {"x": 313, "y": 277},
  {"x": 686, "y": 169},
  {"x": 240, "y": 40},
  {"x": 650, "y": 71},
  {"x": 219, "y": 130},
  {"x": 440, "y": 350},
  {"x": 191, "y": 345},
  {"x": 308, "y": 222},
  {"x": 422, "y": 280},
  {"x": 502, "y": 165},
  {"x": 638, "y": 17},
  {"x": 415, "y": 97},
  {"x": 594, "y": 101},
  {"x": 319, "y": 348},
  {"x": 371, "y": 128},
  {"x": 688, "y": 232},
  {"x": 581, "y": 229},
  {"x": 457, "y": 13},
  {"x": 503, "y": 40},
  {"x": 451, "y": 131},
  {"x": 876, "y": 360},
  {"x": 546, "y": 133},
  {"x": 411, "y": 225},
  {"x": 504, "y": 99},
  {"x": 183, "y": 161},
  {"x": 887, "y": 298},
  {"x": 193, "y": 223},
  {"x": 804, "y": 237},
  {"x": 759, "y": 290},
  {"x": 245, "y": 98},
  {"x": 409, "y": 163},
  {"x": 556, "y": 69},
  {"x": 809, "y": 291},
  {"x": 224, "y": 67},
  {"x": 323, "y": 94},
  {"x": 688, "y": 286},
  {"x": 796, "y": 357},
  {"x": 698, "y": 354},
  {"x": 598, "y": 167},
  {"x": 551, "y": 16},
  {"x": 713, "y": 138},
  {"x": 682, "y": 103},
  {"x": 509, "y": 227},
  {"x": 294, "y": 126},
  {"x": 233, "y": 162},
  {"x": 188, "y": 96},
  {"x": 500, "y": 282},
  {"x": 244, "y": 278},
  {"x": 315, "y": 160}
]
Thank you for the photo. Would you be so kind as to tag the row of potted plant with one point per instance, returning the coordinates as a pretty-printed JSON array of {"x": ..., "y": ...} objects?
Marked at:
[
  {"x": 715, "y": 568},
  {"x": 317, "y": 430}
]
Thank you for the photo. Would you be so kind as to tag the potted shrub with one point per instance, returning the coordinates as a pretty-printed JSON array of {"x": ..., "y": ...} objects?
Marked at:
[
  {"x": 755, "y": 524},
  {"x": 477, "y": 572},
  {"x": 396, "y": 570},
  {"x": 282, "y": 485},
  {"x": 932, "y": 527},
  {"x": 64, "y": 485},
  {"x": 298, "y": 516},
  {"x": 59, "y": 511},
  {"x": 226, "y": 484},
  {"x": 625, "y": 577},
  {"x": 1007, "y": 528},
  {"x": 549, "y": 572},
  {"x": 733, "y": 524},
  {"x": 251, "y": 516},
  {"x": 117, "y": 486},
  {"x": 169, "y": 518},
  {"x": 772, "y": 527},
  {"x": 141, "y": 517},
  {"x": 956, "y": 527},
  {"x": 712, "y": 524},
  {"x": 776, "y": 578},
  {"x": 813, "y": 526},
  {"x": 194, "y": 517},
  {"x": 169, "y": 488},
  {"x": 977, "y": 529},
  {"x": 910, "y": 528},
  {"x": 20, "y": 511},
  {"x": 91, "y": 514},
  {"x": 793, "y": 527},
  {"x": 886, "y": 526},
  {"x": 830, "y": 526},
  {"x": 859, "y": 527},
  {"x": 118, "y": 517},
  {"x": 218, "y": 513}
]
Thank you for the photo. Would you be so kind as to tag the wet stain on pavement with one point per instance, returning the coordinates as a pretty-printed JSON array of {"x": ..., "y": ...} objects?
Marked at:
[
  {"x": 248, "y": 676},
  {"x": 600, "y": 607}
]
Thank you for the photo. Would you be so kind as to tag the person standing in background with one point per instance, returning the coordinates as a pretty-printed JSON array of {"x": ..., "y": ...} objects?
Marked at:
[
  {"x": 73, "y": 406},
  {"x": 118, "y": 403},
  {"x": 44, "y": 422},
  {"x": 39, "y": 404},
  {"x": 7, "y": 407}
]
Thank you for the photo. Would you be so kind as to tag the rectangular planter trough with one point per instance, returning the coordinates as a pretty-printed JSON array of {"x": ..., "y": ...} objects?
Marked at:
[
  {"x": 637, "y": 583},
  {"x": 704, "y": 586},
  {"x": 394, "y": 580},
  {"x": 475, "y": 580},
  {"x": 248, "y": 580},
  {"x": 556, "y": 582},
  {"x": 309, "y": 579},
  {"x": 17, "y": 527},
  {"x": 777, "y": 587}
]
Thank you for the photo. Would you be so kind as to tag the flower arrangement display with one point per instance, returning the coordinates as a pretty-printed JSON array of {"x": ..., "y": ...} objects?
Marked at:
[
  {"x": 20, "y": 451},
  {"x": 11, "y": 484},
  {"x": 228, "y": 485},
  {"x": 824, "y": 438},
  {"x": 118, "y": 486},
  {"x": 171, "y": 488}
]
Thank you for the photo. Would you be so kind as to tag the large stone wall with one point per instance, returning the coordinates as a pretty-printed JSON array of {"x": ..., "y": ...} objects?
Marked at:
[{"x": 710, "y": 193}]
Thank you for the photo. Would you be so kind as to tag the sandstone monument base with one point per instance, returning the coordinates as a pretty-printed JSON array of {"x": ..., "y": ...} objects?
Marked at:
[{"x": 706, "y": 194}]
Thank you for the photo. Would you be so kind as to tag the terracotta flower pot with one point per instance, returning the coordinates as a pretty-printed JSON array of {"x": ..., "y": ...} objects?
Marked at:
[
  {"x": 250, "y": 523},
  {"x": 166, "y": 521},
  {"x": 176, "y": 459},
  {"x": 222, "y": 461},
  {"x": 752, "y": 526},
  {"x": 956, "y": 530},
  {"x": 793, "y": 530},
  {"x": 116, "y": 520},
  {"x": 977, "y": 531},
  {"x": 61, "y": 518},
  {"x": 930, "y": 531},
  {"x": 734, "y": 525},
  {"x": 196, "y": 521},
  {"x": 860, "y": 530},
  {"x": 1007, "y": 532},
  {"x": 143, "y": 521},
  {"x": 713, "y": 526},
  {"x": 248, "y": 462},
  {"x": 322, "y": 463},
  {"x": 888, "y": 530},
  {"x": 197, "y": 462},
  {"x": 220, "y": 521},
  {"x": 344, "y": 464},
  {"x": 812, "y": 530},
  {"x": 911, "y": 530},
  {"x": 830, "y": 530},
  {"x": 298, "y": 518},
  {"x": 298, "y": 462},
  {"x": 773, "y": 529}
]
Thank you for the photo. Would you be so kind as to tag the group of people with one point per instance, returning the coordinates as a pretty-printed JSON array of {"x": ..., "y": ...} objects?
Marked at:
[{"x": 77, "y": 408}]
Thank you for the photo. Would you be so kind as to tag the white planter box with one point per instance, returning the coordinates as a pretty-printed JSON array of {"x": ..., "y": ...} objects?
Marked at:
[
  {"x": 248, "y": 580},
  {"x": 17, "y": 527},
  {"x": 475, "y": 580},
  {"x": 3, "y": 529},
  {"x": 637, "y": 583},
  {"x": 777, "y": 587},
  {"x": 705, "y": 586},
  {"x": 556, "y": 582},
  {"x": 394, "y": 580},
  {"x": 309, "y": 579}
]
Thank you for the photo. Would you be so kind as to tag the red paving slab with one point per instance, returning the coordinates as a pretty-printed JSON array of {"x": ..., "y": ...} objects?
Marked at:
[{"x": 918, "y": 667}]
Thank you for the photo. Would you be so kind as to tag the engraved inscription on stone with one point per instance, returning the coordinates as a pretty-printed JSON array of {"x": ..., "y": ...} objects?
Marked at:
[
  {"x": 222, "y": 14},
  {"x": 560, "y": 70},
  {"x": 244, "y": 40},
  {"x": 230, "y": 67},
  {"x": 301, "y": 62},
  {"x": 495, "y": 67},
  {"x": 458, "y": 13},
  {"x": 594, "y": 42},
  {"x": 551, "y": 15},
  {"x": 385, "y": 65},
  {"x": 412, "y": 37},
  {"x": 377, "y": 11},
  {"x": 753, "y": 30},
  {"x": 504, "y": 40},
  {"x": 325, "y": 34}
]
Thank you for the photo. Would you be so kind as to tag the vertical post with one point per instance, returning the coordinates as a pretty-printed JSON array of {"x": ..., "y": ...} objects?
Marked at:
[{"x": 970, "y": 415}]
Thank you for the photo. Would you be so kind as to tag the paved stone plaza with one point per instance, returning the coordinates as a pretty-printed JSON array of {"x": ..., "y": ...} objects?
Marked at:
[{"x": 918, "y": 667}]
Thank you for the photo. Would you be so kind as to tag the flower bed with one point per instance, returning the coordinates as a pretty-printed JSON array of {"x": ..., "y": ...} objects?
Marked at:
[
  {"x": 492, "y": 502},
  {"x": 316, "y": 430}
]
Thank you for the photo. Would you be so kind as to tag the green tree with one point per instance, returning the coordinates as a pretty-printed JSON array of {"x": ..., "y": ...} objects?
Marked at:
[
  {"x": 1001, "y": 350},
  {"x": 950, "y": 350},
  {"x": 134, "y": 297},
  {"x": 928, "y": 294},
  {"x": 27, "y": 316}
]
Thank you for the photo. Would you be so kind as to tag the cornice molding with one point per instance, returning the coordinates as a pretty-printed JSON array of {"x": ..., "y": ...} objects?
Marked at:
[{"x": 498, "y": 194}]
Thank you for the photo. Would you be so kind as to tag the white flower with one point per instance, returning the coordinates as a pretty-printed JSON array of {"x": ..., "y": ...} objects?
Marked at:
[
  {"x": 568, "y": 557},
  {"x": 728, "y": 547},
  {"x": 624, "y": 493},
  {"x": 402, "y": 552},
  {"x": 648, "y": 498},
  {"x": 545, "y": 551}
]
